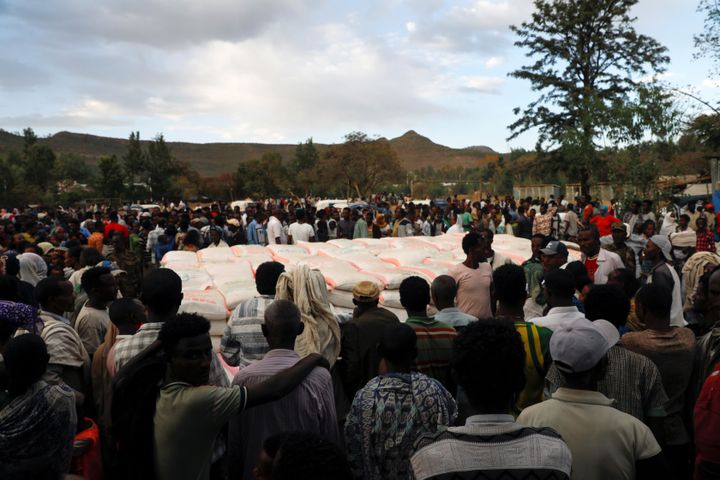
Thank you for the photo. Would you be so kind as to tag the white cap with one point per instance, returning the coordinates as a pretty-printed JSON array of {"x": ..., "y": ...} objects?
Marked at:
[
  {"x": 663, "y": 243},
  {"x": 578, "y": 346}
]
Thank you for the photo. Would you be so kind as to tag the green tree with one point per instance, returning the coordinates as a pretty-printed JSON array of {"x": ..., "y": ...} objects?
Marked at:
[
  {"x": 38, "y": 165},
  {"x": 134, "y": 158},
  {"x": 264, "y": 177},
  {"x": 362, "y": 163},
  {"x": 160, "y": 168},
  {"x": 306, "y": 156},
  {"x": 11, "y": 177},
  {"x": 587, "y": 58},
  {"x": 70, "y": 166},
  {"x": 111, "y": 180},
  {"x": 29, "y": 139},
  {"x": 706, "y": 130},
  {"x": 708, "y": 42}
]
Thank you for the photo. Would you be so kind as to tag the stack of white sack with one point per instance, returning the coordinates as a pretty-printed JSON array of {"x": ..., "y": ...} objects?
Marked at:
[{"x": 215, "y": 280}]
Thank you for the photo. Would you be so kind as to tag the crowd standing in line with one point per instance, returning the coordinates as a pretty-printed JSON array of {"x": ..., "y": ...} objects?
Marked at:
[{"x": 606, "y": 367}]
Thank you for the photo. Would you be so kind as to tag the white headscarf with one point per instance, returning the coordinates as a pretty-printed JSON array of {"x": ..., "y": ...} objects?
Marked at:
[
  {"x": 458, "y": 227},
  {"x": 669, "y": 224},
  {"x": 32, "y": 268}
]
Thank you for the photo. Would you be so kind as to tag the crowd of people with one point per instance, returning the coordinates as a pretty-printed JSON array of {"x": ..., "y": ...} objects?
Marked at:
[{"x": 602, "y": 368}]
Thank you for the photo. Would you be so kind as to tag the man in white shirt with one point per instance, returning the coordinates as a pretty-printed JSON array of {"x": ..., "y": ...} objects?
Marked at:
[
  {"x": 620, "y": 446},
  {"x": 599, "y": 262},
  {"x": 559, "y": 288},
  {"x": 275, "y": 229},
  {"x": 300, "y": 231}
]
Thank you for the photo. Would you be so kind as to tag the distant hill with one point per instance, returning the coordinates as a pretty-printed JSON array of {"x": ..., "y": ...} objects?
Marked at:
[{"x": 414, "y": 151}]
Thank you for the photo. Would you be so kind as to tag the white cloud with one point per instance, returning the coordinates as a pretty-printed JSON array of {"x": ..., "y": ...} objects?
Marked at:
[
  {"x": 710, "y": 83},
  {"x": 481, "y": 84},
  {"x": 410, "y": 27},
  {"x": 165, "y": 24},
  {"x": 494, "y": 62},
  {"x": 479, "y": 26}
]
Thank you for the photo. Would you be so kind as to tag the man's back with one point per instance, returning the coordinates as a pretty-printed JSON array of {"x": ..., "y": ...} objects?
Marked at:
[
  {"x": 387, "y": 416},
  {"x": 605, "y": 443},
  {"x": 632, "y": 380},
  {"x": 473, "y": 294},
  {"x": 434, "y": 346},
  {"x": 243, "y": 342},
  {"x": 488, "y": 447},
  {"x": 308, "y": 408},
  {"x": 360, "y": 338}
]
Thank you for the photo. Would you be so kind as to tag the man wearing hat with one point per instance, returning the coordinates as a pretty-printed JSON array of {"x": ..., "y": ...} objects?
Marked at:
[
  {"x": 604, "y": 442},
  {"x": 620, "y": 247},
  {"x": 552, "y": 257},
  {"x": 359, "y": 359},
  {"x": 659, "y": 252}
]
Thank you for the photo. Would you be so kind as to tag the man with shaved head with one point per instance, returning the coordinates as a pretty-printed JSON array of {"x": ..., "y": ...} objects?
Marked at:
[
  {"x": 309, "y": 408},
  {"x": 443, "y": 291}
]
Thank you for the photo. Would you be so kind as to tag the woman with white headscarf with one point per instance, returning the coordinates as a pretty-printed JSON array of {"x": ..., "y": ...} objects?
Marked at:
[
  {"x": 32, "y": 268},
  {"x": 458, "y": 226},
  {"x": 669, "y": 224}
]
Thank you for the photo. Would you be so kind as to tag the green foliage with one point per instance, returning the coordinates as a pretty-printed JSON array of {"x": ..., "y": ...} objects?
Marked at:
[
  {"x": 160, "y": 168},
  {"x": 705, "y": 129},
  {"x": 70, "y": 166},
  {"x": 111, "y": 179},
  {"x": 586, "y": 54},
  {"x": 361, "y": 164},
  {"x": 708, "y": 42},
  {"x": 264, "y": 177},
  {"x": 306, "y": 156},
  {"x": 134, "y": 159},
  {"x": 29, "y": 139},
  {"x": 38, "y": 164}
]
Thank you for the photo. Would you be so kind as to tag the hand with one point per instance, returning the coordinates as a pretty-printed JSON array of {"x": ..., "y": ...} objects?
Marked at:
[{"x": 320, "y": 360}]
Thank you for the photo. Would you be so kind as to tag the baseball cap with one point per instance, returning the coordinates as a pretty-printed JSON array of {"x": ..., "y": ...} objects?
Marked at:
[
  {"x": 555, "y": 248},
  {"x": 578, "y": 345},
  {"x": 366, "y": 291},
  {"x": 663, "y": 243},
  {"x": 46, "y": 247},
  {"x": 618, "y": 226}
]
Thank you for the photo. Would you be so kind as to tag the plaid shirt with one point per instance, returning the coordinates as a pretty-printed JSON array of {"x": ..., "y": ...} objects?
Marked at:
[
  {"x": 705, "y": 242},
  {"x": 243, "y": 342},
  {"x": 127, "y": 349}
]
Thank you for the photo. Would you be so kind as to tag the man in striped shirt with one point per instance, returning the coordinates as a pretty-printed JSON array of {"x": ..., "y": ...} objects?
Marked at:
[
  {"x": 488, "y": 364},
  {"x": 243, "y": 341},
  {"x": 434, "y": 338},
  {"x": 308, "y": 408}
]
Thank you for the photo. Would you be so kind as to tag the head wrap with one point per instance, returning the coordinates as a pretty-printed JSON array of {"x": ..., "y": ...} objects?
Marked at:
[
  {"x": 19, "y": 315},
  {"x": 32, "y": 268},
  {"x": 687, "y": 238}
]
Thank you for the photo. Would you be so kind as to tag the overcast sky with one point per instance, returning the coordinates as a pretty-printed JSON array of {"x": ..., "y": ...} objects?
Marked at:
[{"x": 279, "y": 71}]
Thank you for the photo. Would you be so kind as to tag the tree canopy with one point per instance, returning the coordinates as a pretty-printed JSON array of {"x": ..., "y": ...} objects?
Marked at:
[
  {"x": 361, "y": 163},
  {"x": 708, "y": 42},
  {"x": 588, "y": 67}
]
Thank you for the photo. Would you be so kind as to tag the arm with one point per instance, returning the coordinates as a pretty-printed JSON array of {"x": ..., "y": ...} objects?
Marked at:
[
  {"x": 349, "y": 365},
  {"x": 657, "y": 427},
  {"x": 284, "y": 382},
  {"x": 652, "y": 468}
]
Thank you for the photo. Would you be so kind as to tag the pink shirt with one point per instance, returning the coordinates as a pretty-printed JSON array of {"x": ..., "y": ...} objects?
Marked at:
[{"x": 473, "y": 294}]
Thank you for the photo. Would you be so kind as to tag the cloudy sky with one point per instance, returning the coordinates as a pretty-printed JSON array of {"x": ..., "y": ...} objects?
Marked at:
[{"x": 284, "y": 70}]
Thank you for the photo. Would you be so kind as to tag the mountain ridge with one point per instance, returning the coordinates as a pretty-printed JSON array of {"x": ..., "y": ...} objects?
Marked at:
[{"x": 414, "y": 151}]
